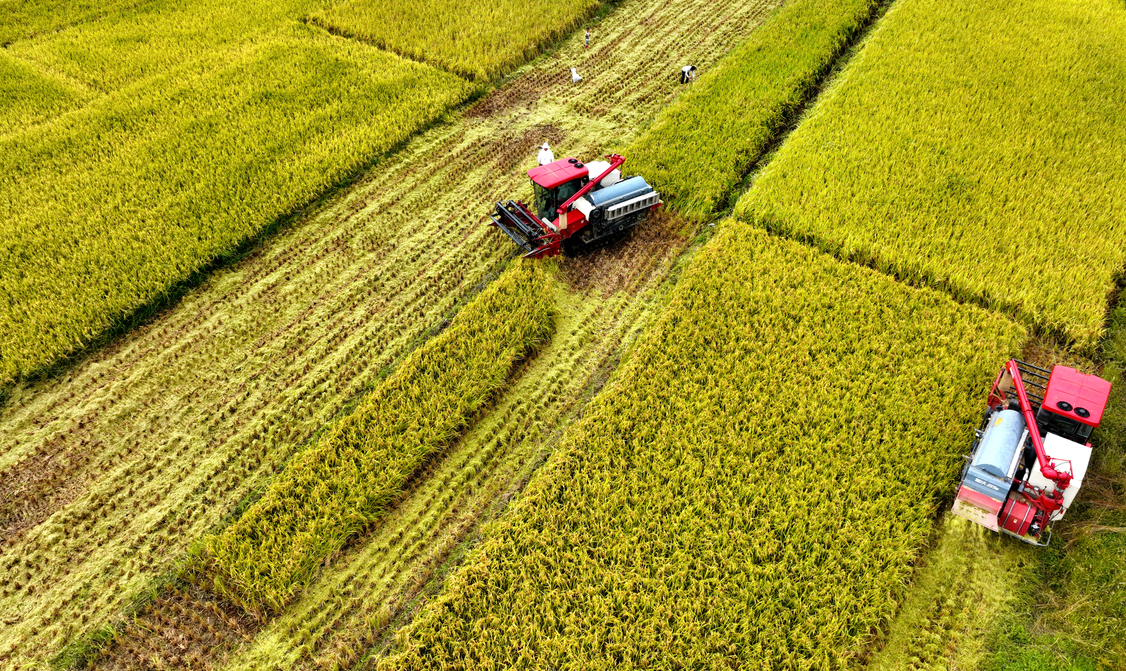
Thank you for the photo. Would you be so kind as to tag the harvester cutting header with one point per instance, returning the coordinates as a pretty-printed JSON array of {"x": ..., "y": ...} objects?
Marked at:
[
  {"x": 573, "y": 210},
  {"x": 1030, "y": 455}
]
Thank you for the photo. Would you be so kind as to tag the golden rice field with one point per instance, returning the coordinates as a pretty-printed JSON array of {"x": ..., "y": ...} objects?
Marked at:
[
  {"x": 137, "y": 41},
  {"x": 22, "y": 19},
  {"x": 991, "y": 163},
  {"x": 698, "y": 151},
  {"x": 197, "y": 161},
  {"x": 348, "y": 480},
  {"x": 31, "y": 96},
  {"x": 344, "y": 616},
  {"x": 186, "y": 416},
  {"x": 355, "y": 434}
]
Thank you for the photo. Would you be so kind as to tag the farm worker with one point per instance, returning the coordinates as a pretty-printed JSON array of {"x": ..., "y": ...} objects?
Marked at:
[
  {"x": 545, "y": 155},
  {"x": 575, "y": 78},
  {"x": 687, "y": 74},
  {"x": 588, "y": 38}
]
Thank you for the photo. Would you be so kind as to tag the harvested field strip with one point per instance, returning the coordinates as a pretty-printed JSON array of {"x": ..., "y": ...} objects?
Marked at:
[
  {"x": 698, "y": 150},
  {"x": 603, "y": 300},
  {"x": 480, "y": 40},
  {"x": 195, "y": 166},
  {"x": 266, "y": 351},
  {"x": 990, "y": 163},
  {"x": 29, "y": 96},
  {"x": 754, "y": 483},
  {"x": 966, "y": 586},
  {"x": 184, "y": 628},
  {"x": 162, "y": 37},
  {"x": 192, "y": 396},
  {"x": 347, "y": 481}
]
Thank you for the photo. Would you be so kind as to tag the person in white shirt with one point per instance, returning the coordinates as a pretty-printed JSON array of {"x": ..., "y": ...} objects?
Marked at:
[
  {"x": 687, "y": 74},
  {"x": 546, "y": 156},
  {"x": 575, "y": 77}
]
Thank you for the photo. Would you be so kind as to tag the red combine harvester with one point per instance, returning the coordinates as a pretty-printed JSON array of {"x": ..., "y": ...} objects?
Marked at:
[
  {"x": 573, "y": 211},
  {"x": 1030, "y": 455}
]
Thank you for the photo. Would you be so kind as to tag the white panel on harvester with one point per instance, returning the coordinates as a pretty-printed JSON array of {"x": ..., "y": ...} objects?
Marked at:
[{"x": 1060, "y": 450}]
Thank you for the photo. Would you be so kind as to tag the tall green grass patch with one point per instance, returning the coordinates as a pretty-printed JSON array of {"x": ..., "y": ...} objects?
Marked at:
[
  {"x": 750, "y": 490},
  {"x": 973, "y": 145}
]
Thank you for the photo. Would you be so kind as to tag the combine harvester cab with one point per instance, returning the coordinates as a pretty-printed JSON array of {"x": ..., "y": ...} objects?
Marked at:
[
  {"x": 1031, "y": 453},
  {"x": 573, "y": 211}
]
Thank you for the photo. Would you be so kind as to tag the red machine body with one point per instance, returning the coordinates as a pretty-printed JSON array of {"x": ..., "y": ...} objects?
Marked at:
[
  {"x": 575, "y": 209},
  {"x": 555, "y": 174},
  {"x": 1031, "y": 452}
]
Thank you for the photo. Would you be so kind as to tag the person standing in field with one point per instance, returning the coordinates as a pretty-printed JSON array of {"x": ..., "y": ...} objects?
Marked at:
[
  {"x": 546, "y": 156},
  {"x": 587, "y": 38}
]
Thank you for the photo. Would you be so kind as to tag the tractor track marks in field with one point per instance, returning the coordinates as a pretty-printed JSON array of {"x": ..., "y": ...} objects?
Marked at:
[{"x": 612, "y": 268}]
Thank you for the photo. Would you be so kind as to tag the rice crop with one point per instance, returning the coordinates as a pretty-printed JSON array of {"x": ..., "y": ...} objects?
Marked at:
[
  {"x": 29, "y": 96},
  {"x": 750, "y": 490},
  {"x": 161, "y": 36},
  {"x": 347, "y": 481},
  {"x": 990, "y": 162},
  {"x": 347, "y": 609},
  {"x": 479, "y": 40},
  {"x": 698, "y": 149},
  {"x": 21, "y": 19},
  {"x": 106, "y": 209}
]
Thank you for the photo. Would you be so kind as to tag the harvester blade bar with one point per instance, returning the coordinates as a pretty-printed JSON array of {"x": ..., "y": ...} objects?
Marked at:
[
  {"x": 507, "y": 218},
  {"x": 525, "y": 229},
  {"x": 512, "y": 234}
]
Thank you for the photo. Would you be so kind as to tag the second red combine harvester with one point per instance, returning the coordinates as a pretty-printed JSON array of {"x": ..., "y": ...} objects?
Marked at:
[
  {"x": 1031, "y": 452},
  {"x": 578, "y": 206}
]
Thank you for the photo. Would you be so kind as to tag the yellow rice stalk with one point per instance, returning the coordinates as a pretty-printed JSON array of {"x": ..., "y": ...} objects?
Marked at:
[
  {"x": 104, "y": 210},
  {"x": 479, "y": 40}
]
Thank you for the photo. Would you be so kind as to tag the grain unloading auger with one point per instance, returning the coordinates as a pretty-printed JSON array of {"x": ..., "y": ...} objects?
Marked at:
[
  {"x": 574, "y": 211},
  {"x": 1031, "y": 452}
]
